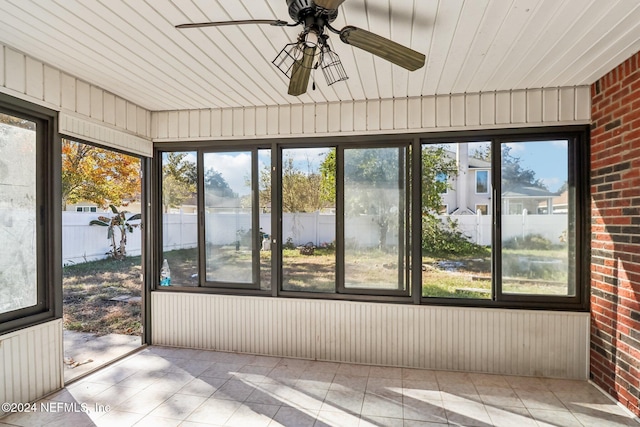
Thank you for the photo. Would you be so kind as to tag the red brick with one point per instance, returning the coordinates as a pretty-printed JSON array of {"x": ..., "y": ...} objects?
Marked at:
[{"x": 615, "y": 268}]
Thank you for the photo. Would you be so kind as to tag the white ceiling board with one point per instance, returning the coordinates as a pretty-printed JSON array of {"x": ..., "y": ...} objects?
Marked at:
[
  {"x": 42, "y": 46},
  {"x": 580, "y": 33},
  {"x": 490, "y": 23},
  {"x": 425, "y": 13},
  {"x": 444, "y": 30},
  {"x": 518, "y": 16},
  {"x": 132, "y": 49},
  {"x": 530, "y": 34},
  {"x": 596, "y": 44}
]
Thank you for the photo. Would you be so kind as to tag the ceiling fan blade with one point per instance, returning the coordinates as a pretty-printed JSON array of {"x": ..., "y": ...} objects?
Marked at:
[
  {"x": 329, "y": 4},
  {"x": 275, "y": 23},
  {"x": 383, "y": 47},
  {"x": 301, "y": 71}
]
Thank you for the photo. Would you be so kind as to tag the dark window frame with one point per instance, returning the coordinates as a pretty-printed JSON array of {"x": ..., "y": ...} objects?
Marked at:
[
  {"x": 49, "y": 214},
  {"x": 579, "y": 158}
]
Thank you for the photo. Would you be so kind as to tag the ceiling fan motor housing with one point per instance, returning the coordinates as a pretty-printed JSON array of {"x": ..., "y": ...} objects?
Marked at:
[{"x": 299, "y": 10}]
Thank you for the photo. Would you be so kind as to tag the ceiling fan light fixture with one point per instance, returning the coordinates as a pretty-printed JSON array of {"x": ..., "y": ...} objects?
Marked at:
[
  {"x": 288, "y": 56},
  {"x": 331, "y": 66},
  {"x": 311, "y": 39}
]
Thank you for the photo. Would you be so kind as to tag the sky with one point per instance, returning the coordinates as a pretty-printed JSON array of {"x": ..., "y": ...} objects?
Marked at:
[{"x": 549, "y": 159}]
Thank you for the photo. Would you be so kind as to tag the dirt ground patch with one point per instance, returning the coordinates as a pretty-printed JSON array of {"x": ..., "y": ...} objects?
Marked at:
[{"x": 88, "y": 290}]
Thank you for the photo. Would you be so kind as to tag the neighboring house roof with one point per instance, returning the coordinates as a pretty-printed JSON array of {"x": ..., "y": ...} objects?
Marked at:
[
  {"x": 559, "y": 201},
  {"x": 519, "y": 191},
  {"x": 475, "y": 163}
]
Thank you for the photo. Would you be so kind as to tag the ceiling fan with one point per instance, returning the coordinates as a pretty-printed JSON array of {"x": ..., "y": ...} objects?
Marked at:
[{"x": 312, "y": 49}]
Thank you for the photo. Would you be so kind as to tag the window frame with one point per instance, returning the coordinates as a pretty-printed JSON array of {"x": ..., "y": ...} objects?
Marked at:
[
  {"x": 577, "y": 173},
  {"x": 404, "y": 252},
  {"x": 49, "y": 214},
  {"x": 579, "y": 156}
]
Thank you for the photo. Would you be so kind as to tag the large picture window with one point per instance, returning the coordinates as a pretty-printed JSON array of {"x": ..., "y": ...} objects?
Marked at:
[
  {"x": 26, "y": 144},
  {"x": 477, "y": 220}
]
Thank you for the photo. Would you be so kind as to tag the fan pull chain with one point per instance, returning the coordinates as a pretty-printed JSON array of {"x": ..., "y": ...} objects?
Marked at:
[{"x": 313, "y": 76}]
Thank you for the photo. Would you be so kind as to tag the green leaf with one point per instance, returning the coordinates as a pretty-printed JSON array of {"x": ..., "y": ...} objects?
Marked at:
[
  {"x": 135, "y": 217},
  {"x": 114, "y": 209},
  {"x": 98, "y": 222}
]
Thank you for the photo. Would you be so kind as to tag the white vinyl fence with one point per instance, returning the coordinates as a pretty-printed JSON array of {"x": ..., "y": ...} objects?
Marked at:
[{"x": 82, "y": 242}]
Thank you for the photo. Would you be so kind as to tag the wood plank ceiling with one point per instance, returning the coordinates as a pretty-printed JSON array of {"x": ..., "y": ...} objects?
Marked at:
[{"x": 131, "y": 48}]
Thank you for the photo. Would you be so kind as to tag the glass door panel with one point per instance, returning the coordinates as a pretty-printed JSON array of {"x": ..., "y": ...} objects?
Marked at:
[{"x": 228, "y": 217}]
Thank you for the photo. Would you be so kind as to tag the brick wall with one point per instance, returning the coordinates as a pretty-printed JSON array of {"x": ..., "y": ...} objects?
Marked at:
[{"x": 615, "y": 257}]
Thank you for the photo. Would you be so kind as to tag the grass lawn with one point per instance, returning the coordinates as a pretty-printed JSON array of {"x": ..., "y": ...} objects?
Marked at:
[{"x": 87, "y": 289}]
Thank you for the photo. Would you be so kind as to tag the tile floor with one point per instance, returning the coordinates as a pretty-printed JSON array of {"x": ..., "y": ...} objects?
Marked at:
[{"x": 163, "y": 387}]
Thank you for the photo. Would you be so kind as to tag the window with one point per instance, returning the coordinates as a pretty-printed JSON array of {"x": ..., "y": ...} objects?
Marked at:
[
  {"x": 179, "y": 173},
  {"x": 442, "y": 179},
  {"x": 537, "y": 243},
  {"x": 26, "y": 144},
  {"x": 456, "y": 250},
  {"x": 229, "y": 232},
  {"x": 86, "y": 209},
  {"x": 308, "y": 250},
  {"x": 370, "y": 219},
  {"x": 374, "y": 195},
  {"x": 482, "y": 182}
]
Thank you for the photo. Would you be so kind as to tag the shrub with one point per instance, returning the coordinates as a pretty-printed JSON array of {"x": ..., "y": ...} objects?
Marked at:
[
  {"x": 530, "y": 241},
  {"x": 440, "y": 239}
]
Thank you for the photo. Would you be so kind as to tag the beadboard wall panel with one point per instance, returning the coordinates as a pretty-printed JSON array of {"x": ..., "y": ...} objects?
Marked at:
[
  {"x": 489, "y": 110},
  {"x": 78, "y": 127},
  {"x": 31, "y": 363},
  {"x": 512, "y": 342},
  {"x": 87, "y": 111}
]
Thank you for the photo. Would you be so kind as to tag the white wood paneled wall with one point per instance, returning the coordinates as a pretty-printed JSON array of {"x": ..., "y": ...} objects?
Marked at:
[
  {"x": 513, "y": 342},
  {"x": 90, "y": 112},
  {"x": 31, "y": 363},
  {"x": 490, "y": 110}
]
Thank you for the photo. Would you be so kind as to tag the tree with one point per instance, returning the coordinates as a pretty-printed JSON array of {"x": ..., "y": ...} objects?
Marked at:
[
  {"x": 93, "y": 174},
  {"x": 301, "y": 190},
  {"x": 375, "y": 184},
  {"x": 374, "y": 175},
  {"x": 514, "y": 174},
  {"x": 328, "y": 173},
  {"x": 214, "y": 183},
  {"x": 440, "y": 238},
  {"x": 179, "y": 177},
  {"x": 119, "y": 222},
  {"x": 435, "y": 163}
]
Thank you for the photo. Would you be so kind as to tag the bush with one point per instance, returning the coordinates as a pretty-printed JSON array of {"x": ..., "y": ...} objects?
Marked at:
[
  {"x": 530, "y": 241},
  {"x": 440, "y": 239}
]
